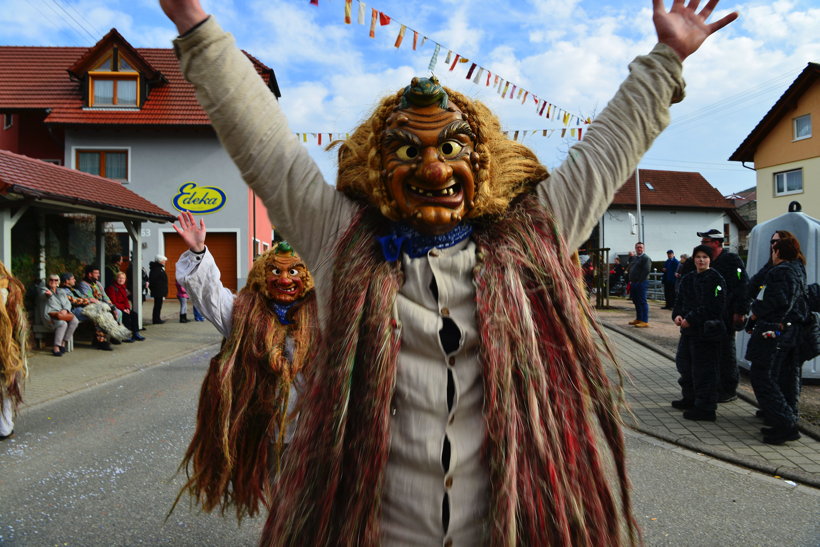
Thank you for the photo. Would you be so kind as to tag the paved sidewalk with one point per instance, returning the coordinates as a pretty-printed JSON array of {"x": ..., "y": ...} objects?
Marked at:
[
  {"x": 652, "y": 383},
  {"x": 52, "y": 377}
]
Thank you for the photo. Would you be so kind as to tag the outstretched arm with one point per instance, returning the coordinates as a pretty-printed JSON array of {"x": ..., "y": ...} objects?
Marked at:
[
  {"x": 684, "y": 30},
  {"x": 191, "y": 234},
  {"x": 185, "y": 14}
]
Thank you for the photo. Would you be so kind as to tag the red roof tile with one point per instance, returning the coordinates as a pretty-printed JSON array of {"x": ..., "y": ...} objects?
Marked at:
[
  {"x": 38, "y": 78},
  {"x": 679, "y": 189},
  {"x": 41, "y": 180}
]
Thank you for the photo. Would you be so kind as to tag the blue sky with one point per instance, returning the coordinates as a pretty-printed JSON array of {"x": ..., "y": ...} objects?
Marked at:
[{"x": 571, "y": 53}]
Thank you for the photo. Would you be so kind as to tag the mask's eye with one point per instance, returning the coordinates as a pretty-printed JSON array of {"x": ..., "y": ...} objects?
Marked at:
[
  {"x": 276, "y": 271},
  {"x": 293, "y": 271},
  {"x": 450, "y": 149},
  {"x": 408, "y": 152}
]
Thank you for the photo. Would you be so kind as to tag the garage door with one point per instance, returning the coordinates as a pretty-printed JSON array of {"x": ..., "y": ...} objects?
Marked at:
[{"x": 221, "y": 245}]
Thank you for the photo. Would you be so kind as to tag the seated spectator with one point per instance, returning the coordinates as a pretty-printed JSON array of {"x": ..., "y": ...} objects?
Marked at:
[
  {"x": 91, "y": 288},
  {"x": 57, "y": 315},
  {"x": 118, "y": 293},
  {"x": 78, "y": 303}
]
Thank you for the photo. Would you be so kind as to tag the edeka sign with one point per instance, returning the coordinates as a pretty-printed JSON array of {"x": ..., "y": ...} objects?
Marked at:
[{"x": 199, "y": 200}]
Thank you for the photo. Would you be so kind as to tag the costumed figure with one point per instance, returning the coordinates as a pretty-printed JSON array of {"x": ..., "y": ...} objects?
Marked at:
[
  {"x": 458, "y": 396},
  {"x": 14, "y": 330},
  {"x": 246, "y": 412}
]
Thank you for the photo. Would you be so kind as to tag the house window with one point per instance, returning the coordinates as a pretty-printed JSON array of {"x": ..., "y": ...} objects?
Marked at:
[
  {"x": 726, "y": 234},
  {"x": 8, "y": 120},
  {"x": 106, "y": 163},
  {"x": 802, "y": 127},
  {"x": 788, "y": 182},
  {"x": 113, "y": 82}
]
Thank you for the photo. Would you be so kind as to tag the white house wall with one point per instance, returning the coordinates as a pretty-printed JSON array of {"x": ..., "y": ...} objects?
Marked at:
[
  {"x": 160, "y": 161},
  {"x": 663, "y": 230}
]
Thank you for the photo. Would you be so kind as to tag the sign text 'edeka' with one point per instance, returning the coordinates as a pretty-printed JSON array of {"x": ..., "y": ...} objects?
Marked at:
[{"x": 199, "y": 200}]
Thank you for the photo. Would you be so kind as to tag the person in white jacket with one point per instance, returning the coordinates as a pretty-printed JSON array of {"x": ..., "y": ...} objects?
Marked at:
[{"x": 246, "y": 412}]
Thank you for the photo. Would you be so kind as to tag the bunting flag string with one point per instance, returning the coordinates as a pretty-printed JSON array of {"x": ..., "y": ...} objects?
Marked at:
[
  {"x": 453, "y": 59},
  {"x": 577, "y": 132}
]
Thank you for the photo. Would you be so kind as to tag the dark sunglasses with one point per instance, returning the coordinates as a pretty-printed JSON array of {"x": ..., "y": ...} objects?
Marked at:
[{"x": 773, "y": 241}]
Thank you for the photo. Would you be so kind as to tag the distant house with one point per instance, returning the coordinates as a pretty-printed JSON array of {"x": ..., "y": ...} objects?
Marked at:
[
  {"x": 128, "y": 114},
  {"x": 675, "y": 205},
  {"x": 785, "y": 149},
  {"x": 745, "y": 203}
]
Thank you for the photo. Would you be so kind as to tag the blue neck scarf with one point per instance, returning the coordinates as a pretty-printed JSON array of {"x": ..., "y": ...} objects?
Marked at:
[
  {"x": 405, "y": 239},
  {"x": 282, "y": 312}
]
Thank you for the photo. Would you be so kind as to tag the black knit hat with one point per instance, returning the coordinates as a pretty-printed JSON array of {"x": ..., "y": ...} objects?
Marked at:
[{"x": 703, "y": 249}]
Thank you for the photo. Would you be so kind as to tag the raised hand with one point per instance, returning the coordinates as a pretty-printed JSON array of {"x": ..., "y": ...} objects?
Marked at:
[
  {"x": 684, "y": 30},
  {"x": 191, "y": 234},
  {"x": 184, "y": 13}
]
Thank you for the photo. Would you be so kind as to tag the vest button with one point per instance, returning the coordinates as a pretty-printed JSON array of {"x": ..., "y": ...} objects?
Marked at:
[
  {"x": 448, "y": 482},
  {"x": 445, "y": 312},
  {"x": 452, "y": 361}
]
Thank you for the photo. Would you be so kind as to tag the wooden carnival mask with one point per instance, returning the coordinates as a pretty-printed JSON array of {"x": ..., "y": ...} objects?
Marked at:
[
  {"x": 287, "y": 279},
  {"x": 427, "y": 151}
]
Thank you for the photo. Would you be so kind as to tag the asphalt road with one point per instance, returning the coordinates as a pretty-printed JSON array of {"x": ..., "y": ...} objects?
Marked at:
[{"x": 99, "y": 468}]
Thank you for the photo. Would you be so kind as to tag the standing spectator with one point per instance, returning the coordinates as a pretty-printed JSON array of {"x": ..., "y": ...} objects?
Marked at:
[
  {"x": 698, "y": 312},
  {"x": 616, "y": 277},
  {"x": 679, "y": 272},
  {"x": 731, "y": 267},
  {"x": 13, "y": 335},
  {"x": 639, "y": 268},
  {"x": 113, "y": 267},
  {"x": 57, "y": 315},
  {"x": 629, "y": 260},
  {"x": 118, "y": 293},
  {"x": 670, "y": 268},
  {"x": 777, "y": 315},
  {"x": 182, "y": 296},
  {"x": 197, "y": 316},
  {"x": 158, "y": 285}
]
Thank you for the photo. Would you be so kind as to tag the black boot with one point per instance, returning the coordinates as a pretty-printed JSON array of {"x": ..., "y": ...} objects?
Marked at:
[
  {"x": 779, "y": 435},
  {"x": 183, "y": 317},
  {"x": 699, "y": 415}
]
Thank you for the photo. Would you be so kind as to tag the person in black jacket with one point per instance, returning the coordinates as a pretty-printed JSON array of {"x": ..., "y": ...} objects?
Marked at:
[
  {"x": 158, "y": 285},
  {"x": 731, "y": 267},
  {"x": 699, "y": 309},
  {"x": 777, "y": 315}
]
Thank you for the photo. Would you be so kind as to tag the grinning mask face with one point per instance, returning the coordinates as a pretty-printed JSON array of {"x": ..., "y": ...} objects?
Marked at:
[
  {"x": 427, "y": 149},
  {"x": 286, "y": 277}
]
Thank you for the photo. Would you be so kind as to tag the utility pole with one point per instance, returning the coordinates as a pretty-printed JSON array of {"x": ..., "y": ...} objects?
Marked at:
[{"x": 638, "y": 201}]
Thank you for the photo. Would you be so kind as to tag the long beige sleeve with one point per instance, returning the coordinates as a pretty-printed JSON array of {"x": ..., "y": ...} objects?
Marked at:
[
  {"x": 579, "y": 191},
  {"x": 250, "y": 123}
]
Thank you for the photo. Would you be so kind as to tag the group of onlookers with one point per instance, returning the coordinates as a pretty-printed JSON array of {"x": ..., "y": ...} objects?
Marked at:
[
  {"x": 66, "y": 303},
  {"x": 713, "y": 300}
]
